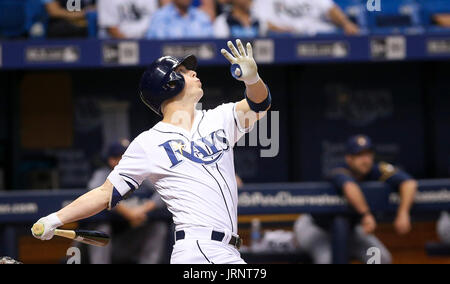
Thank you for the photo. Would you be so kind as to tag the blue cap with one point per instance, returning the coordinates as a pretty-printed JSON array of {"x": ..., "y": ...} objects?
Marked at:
[
  {"x": 116, "y": 150},
  {"x": 359, "y": 143}
]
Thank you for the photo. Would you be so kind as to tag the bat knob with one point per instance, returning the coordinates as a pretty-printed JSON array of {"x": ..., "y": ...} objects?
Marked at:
[{"x": 38, "y": 229}]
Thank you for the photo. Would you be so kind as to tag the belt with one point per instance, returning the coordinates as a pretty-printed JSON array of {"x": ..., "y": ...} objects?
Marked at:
[{"x": 215, "y": 236}]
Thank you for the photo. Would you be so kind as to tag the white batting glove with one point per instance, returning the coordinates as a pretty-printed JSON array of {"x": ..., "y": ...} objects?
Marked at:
[
  {"x": 50, "y": 223},
  {"x": 243, "y": 66}
]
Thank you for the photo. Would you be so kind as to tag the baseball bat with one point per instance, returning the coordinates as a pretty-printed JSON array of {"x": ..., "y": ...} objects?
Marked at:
[{"x": 93, "y": 238}]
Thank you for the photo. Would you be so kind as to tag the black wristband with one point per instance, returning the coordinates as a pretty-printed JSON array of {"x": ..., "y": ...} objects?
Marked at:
[{"x": 263, "y": 106}]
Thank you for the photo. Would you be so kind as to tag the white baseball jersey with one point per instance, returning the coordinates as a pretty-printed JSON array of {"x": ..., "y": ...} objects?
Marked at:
[
  {"x": 131, "y": 17},
  {"x": 307, "y": 17},
  {"x": 192, "y": 171}
]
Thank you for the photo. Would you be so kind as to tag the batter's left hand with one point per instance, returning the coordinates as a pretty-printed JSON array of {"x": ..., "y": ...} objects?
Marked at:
[{"x": 243, "y": 66}]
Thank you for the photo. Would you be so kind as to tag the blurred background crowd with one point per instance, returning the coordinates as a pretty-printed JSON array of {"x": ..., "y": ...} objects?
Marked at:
[{"x": 172, "y": 19}]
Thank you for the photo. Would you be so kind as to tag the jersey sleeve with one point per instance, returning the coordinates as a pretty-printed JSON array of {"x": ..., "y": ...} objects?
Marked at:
[
  {"x": 230, "y": 121},
  {"x": 339, "y": 176},
  {"x": 391, "y": 175},
  {"x": 129, "y": 174}
]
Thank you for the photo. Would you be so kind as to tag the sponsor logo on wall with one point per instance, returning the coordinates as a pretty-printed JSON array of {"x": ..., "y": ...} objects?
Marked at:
[
  {"x": 438, "y": 47},
  {"x": 203, "y": 51},
  {"x": 388, "y": 48},
  {"x": 428, "y": 197},
  {"x": 53, "y": 54},
  {"x": 287, "y": 199},
  {"x": 264, "y": 50},
  {"x": 292, "y": 199},
  {"x": 359, "y": 107},
  {"x": 337, "y": 49},
  {"x": 121, "y": 53},
  {"x": 18, "y": 208}
]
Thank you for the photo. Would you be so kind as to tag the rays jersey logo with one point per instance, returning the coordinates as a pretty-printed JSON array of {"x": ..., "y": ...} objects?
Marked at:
[{"x": 205, "y": 151}]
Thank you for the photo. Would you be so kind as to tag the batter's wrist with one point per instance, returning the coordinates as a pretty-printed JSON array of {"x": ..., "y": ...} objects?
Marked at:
[
  {"x": 54, "y": 221},
  {"x": 253, "y": 81}
]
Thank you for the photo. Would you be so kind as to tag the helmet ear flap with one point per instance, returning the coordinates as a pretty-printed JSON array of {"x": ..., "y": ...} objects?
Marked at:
[
  {"x": 172, "y": 85},
  {"x": 175, "y": 83}
]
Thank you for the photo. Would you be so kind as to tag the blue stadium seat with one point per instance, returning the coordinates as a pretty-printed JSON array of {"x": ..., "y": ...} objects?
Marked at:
[
  {"x": 18, "y": 16},
  {"x": 396, "y": 16},
  {"x": 431, "y": 8},
  {"x": 92, "y": 17}
]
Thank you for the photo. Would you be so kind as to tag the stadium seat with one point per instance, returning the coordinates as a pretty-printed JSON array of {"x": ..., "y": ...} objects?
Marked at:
[
  {"x": 92, "y": 17},
  {"x": 396, "y": 16},
  {"x": 18, "y": 16},
  {"x": 431, "y": 8}
]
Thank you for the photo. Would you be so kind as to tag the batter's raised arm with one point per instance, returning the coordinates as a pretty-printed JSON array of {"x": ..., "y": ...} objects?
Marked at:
[
  {"x": 84, "y": 207},
  {"x": 257, "y": 98}
]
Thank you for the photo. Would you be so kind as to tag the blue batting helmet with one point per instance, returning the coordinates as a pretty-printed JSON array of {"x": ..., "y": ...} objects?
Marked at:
[{"x": 160, "y": 82}]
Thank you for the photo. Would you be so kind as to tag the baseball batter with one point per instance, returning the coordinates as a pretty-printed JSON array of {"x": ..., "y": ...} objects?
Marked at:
[{"x": 188, "y": 157}]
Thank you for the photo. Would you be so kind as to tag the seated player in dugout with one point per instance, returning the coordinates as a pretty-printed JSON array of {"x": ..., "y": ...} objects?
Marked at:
[{"x": 312, "y": 232}]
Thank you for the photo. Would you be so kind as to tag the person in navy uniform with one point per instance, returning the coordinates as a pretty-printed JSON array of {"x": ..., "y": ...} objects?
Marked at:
[{"x": 312, "y": 232}]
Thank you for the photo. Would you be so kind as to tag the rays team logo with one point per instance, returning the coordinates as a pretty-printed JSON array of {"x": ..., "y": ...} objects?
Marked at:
[{"x": 205, "y": 151}]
